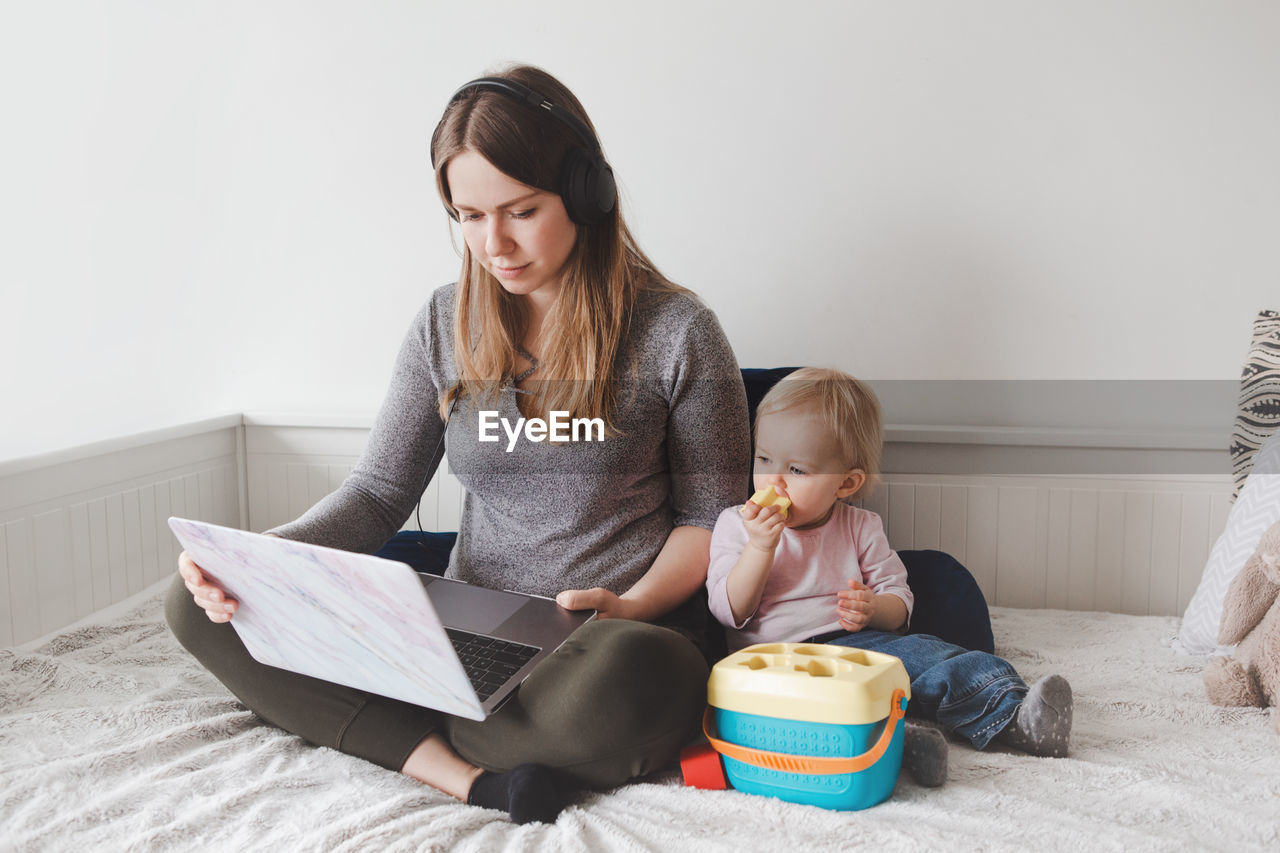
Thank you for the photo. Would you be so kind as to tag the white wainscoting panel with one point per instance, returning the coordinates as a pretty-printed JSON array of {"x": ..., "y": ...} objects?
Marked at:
[
  {"x": 1125, "y": 545},
  {"x": 83, "y": 530},
  {"x": 290, "y": 468},
  {"x": 1133, "y": 544}
]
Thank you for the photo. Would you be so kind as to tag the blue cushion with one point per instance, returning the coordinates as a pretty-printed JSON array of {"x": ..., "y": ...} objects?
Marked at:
[
  {"x": 948, "y": 602},
  {"x": 758, "y": 381},
  {"x": 422, "y": 550}
]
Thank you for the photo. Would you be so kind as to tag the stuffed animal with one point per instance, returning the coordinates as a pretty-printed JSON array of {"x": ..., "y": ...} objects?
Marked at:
[{"x": 1251, "y": 619}]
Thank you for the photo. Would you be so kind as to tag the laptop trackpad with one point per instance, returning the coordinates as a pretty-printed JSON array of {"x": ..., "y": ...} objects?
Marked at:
[{"x": 471, "y": 608}]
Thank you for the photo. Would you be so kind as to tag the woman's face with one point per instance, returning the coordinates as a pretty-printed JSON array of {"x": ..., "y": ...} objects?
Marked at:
[{"x": 521, "y": 235}]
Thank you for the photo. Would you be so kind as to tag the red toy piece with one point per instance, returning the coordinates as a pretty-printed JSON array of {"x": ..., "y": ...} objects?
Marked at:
[{"x": 702, "y": 768}]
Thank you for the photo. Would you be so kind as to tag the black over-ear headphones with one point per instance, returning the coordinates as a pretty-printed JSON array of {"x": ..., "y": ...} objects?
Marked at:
[{"x": 586, "y": 181}]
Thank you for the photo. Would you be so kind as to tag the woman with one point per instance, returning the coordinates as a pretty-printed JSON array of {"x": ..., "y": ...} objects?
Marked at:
[{"x": 559, "y": 310}]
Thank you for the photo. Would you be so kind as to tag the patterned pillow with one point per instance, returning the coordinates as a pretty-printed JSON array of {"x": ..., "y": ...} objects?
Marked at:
[
  {"x": 1256, "y": 510},
  {"x": 1258, "y": 414}
]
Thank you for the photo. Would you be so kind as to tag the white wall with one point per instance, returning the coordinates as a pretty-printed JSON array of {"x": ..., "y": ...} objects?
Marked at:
[{"x": 217, "y": 206}]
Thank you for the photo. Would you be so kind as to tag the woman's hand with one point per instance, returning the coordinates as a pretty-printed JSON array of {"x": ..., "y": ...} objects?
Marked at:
[
  {"x": 855, "y": 606},
  {"x": 604, "y": 603},
  {"x": 217, "y": 605},
  {"x": 679, "y": 570},
  {"x": 764, "y": 525}
]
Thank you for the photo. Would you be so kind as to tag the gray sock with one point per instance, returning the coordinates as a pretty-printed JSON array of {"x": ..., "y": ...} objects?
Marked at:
[
  {"x": 924, "y": 754},
  {"x": 1042, "y": 723}
]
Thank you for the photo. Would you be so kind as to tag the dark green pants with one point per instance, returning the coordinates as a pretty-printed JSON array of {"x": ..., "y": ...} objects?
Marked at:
[{"x": 618, "y": 700}]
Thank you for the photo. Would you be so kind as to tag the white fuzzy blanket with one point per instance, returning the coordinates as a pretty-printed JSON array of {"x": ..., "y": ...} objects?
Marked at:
[{"x": 112, "y": 738}]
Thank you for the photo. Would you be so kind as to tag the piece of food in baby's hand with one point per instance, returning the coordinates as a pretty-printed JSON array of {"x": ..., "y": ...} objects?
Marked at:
[{"x": 768, "y": 497}]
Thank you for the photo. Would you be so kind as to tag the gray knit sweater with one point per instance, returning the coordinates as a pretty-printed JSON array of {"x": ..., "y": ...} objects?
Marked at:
[{"x": 545, "y": 517}]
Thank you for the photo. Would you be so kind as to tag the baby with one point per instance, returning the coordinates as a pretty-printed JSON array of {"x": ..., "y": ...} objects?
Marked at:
[{"x": 812, "y": 568}]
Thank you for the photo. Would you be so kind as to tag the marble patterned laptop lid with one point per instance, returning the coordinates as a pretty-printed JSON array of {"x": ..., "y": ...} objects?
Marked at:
[{"x": 352, "y": 619}]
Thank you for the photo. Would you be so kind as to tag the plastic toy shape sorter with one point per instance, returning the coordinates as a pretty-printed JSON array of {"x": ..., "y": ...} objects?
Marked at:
[{"x": 806, "y": 723}]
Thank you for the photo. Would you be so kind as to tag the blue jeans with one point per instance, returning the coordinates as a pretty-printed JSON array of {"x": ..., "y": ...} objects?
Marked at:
[{"x": 973, "y": 694}]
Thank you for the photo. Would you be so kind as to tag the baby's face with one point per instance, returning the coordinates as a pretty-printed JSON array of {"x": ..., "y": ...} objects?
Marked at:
[{"x": 801, "y": 459}]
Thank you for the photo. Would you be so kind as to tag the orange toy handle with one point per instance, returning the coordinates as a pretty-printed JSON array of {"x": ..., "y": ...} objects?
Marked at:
[{"x": 806, "y": 764}]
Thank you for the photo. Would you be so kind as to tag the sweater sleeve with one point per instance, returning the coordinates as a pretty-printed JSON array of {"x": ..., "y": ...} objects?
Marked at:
[
  {"x": 727, "y": 543},
  {"x": 882, "y": 569},
  {"x": 402, "y": 452},
  {"x": 708, "y": 443}
]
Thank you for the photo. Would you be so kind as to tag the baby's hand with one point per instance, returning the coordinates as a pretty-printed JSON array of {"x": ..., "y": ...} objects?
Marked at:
[
  {"x": 855, "y": 606},
  {"x": 764, "y": 525}
]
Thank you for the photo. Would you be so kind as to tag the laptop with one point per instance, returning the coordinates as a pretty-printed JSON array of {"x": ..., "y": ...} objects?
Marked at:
[{"x": 376, "y": 624}]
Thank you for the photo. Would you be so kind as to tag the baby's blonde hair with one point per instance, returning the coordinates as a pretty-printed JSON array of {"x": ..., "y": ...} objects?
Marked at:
[{"x": 847, "y": 406}]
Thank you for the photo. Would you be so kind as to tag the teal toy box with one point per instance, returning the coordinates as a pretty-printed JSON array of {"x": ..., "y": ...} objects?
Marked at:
[{"x": 806, "y": 723}]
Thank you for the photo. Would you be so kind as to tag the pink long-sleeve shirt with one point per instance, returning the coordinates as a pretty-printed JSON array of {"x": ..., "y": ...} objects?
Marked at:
[{"x": 809, "y": 568}]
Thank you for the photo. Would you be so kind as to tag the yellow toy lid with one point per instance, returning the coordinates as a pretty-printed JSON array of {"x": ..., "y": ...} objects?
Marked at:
[{"x": 807, "y": 681}]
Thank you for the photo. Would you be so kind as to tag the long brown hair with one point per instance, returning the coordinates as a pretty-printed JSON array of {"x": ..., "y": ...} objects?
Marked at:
[{"x": 603, "y": 276}]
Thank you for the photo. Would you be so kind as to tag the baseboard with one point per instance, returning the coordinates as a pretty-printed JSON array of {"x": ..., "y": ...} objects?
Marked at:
[{"x": 107, "y": 614}]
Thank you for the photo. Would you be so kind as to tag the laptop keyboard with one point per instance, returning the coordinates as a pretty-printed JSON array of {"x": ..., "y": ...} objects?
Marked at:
[{"x": 489, "y": 662}]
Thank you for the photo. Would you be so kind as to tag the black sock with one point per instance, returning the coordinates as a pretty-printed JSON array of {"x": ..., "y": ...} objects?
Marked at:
[{"x": 529, "y": 793}]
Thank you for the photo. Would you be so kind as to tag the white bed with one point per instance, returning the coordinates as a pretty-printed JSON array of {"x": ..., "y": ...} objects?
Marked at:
[{"x": 113, "y": 738}]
